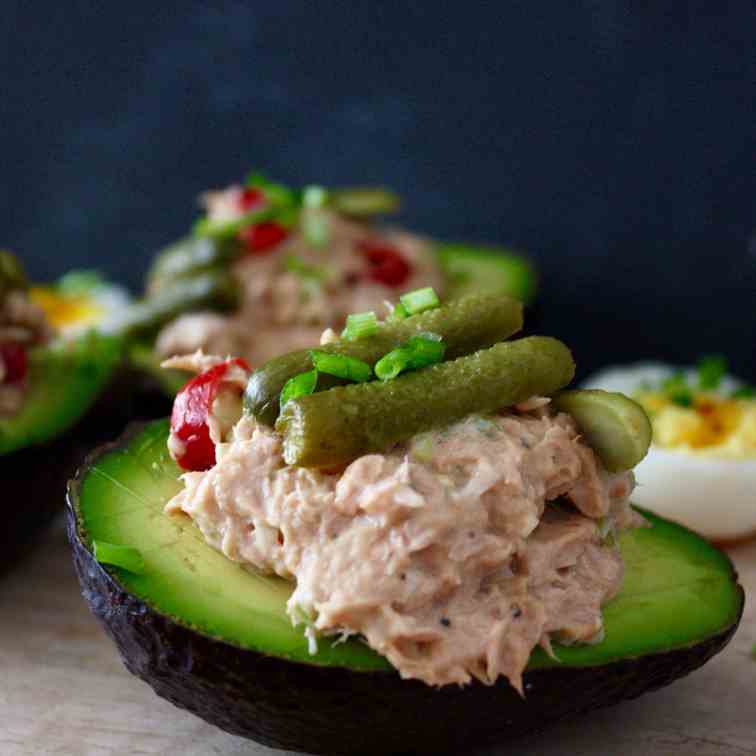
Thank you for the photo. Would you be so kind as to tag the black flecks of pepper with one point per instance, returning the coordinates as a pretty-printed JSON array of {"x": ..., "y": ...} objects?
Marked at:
[
  {"x": 445, "y": 621},
  {"x": 516, "y": 612}
]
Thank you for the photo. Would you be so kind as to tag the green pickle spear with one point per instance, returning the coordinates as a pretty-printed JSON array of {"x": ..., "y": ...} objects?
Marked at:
[
  {"x": 334, "y": 427},
  {"x": 215, "y": 289},
  {"x": 465, "y": 325},
  {"x": 12, "y": 275},
  {"x": 189, "y": 257},
  {"x": 613, "y": 425}
]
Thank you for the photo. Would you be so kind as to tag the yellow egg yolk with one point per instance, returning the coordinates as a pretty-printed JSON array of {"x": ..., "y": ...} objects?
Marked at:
[
  {"x": 65, "y": 311},
  {"x": 712, "y": 424}
]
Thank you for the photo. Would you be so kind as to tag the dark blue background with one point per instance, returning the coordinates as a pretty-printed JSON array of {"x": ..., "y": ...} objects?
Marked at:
[{"x": 614, "y": 141}]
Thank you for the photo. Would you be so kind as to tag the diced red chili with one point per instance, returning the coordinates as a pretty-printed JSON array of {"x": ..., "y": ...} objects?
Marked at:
[
  {"x": 191, "y": 410},
  {"x": 263, "y": 237},
  {"x": 250, "y": 197},
  {"x": 15, "y": 361},
  {"x": 386, "y": 263}
]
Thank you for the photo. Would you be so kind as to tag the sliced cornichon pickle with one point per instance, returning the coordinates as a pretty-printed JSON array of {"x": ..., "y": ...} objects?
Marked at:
[
  {"x": 211, "y": 290},
  {"x": 333, "y": 427},
  {"x": 64, "y": 380},
  {"x": 188, "y": 257},
  {"x": 471, "y": 268},
  {"x": 215, "y": 638},
  {"x": 464, "y": 325},
  {"x": 614, "y": 426},
  {"x": 12, "y": 275},
  {"x": 364, "y": 201}
]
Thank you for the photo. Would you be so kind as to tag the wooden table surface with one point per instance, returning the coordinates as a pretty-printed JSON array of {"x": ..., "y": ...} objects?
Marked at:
[{"x": 65, "y": 691}]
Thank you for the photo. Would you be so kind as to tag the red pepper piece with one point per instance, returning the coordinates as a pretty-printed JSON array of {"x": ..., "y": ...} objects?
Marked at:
[
  {"x": 249, "y": 198},
  {"x": 262, "y": 237},
  {"x": 386, "y": 263},
  {"x": 15, "y": 360},
  {"x": 191, "y": 409}
]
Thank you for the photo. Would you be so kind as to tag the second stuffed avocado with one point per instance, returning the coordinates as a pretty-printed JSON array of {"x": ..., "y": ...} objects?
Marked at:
[
  {"x": 405, "y": 540},
  {"x": 267, "y": 268},
  {"x": 54, "y": 364}
]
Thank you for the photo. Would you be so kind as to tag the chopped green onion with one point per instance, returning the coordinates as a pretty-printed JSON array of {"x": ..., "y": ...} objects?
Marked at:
[
  {"x": 391, "y": 364},
  {"x": 126, "y": 557},
  {"x": 256, "y": 179},
  {"x": 315, "y": 225},
  {"x": 744, "y": 392},
  {"x": 399, "y": 312},
  {"x": 711, "y": 370},
  {"x": 753, "y": 651},
  {"x": 677, "y": 389},
  {"x": 314, "y": 197},
  {"x": 79, "y": 282},
  {"x": 341, "y": 365},
  {"x": 316, "y": 228},
  {"x": 418, "y": 352},
  {"x": 299, "y": 267},
  {"x": 300, "y": 385},
  {"x": 278, "y": 194},
  {"x": 419, "y": 300},
  {"x": 425, "y": 349},
  {"x": 360, "y": 325}
]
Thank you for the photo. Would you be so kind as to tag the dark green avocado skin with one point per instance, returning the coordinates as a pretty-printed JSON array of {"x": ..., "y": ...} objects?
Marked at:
[{"x": 335, "y": 711}]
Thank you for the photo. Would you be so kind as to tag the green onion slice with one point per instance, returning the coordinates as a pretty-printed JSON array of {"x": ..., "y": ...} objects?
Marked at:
[
  {"x": 299, "y": 267},
  {"x": 300, "y": 385},
  {"x": 418, "y": 352},
  {"x": 398, "y": 313},
  {"x": 711, "y": 370},
  {"x": 360, "y": 325},
  {"x": 677, "y": 389},
  {"x": 314, "y": 197},
  {"x": 744, "y": 392},
  {"x": 341, "y": 365},
  {"x": 126, "y": 557},
  {"x": 419, "y": 300},
  {"x": 391, "y": 364}
]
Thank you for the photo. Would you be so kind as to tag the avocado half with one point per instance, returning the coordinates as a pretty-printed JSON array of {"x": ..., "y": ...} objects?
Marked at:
[
  {"x": 213, "y": 638},
  {"x": 38, "y": 448}
]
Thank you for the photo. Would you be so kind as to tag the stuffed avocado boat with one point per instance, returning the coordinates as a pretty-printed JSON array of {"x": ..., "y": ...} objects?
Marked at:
[
  {"x": 411, "y": 538},
  {"x": 267, "y": 268},
  {"x": 52, "y": 369}
]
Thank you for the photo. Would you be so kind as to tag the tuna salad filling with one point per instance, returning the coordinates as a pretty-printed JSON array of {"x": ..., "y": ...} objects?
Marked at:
[
  {"x": 453, "y": 554},
  {"x": 292, "y": 285},
  {"x": 22, "y": 325}
]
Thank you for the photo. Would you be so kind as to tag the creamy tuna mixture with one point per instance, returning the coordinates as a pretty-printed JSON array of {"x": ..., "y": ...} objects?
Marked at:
[
  {"x": 22, "y": 324},
  {"x": 290, "y": 294},
  {"x": 444, "y": 553}
]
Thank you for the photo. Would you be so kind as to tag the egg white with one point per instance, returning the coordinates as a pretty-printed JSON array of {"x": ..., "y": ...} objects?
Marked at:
[
  {"x": 712, "y": 495},
  {"x": 715, "y": 497}
]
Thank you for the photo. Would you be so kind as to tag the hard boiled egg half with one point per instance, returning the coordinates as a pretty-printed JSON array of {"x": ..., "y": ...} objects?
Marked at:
[
  {"x": 80, "y": 301},
  {"x": 701, "y": 468}
]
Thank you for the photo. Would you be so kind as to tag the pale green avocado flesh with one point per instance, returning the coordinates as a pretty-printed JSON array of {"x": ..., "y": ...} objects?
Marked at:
[
  {"x": 678, "y": 590},
  {"x": 65, "y": 378}
]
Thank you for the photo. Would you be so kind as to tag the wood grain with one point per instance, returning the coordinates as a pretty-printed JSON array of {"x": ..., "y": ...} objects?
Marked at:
[{"x": 64, "y": 690}]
